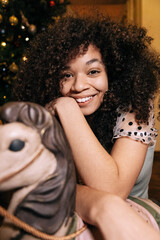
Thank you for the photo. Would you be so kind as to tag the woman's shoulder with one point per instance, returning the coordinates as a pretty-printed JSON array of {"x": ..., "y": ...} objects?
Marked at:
[{"x": 127, "y": 126}]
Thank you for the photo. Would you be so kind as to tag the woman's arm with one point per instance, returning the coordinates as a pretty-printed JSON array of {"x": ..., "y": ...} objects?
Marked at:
[
  {"x": 115, "y": 173},
  {"x": 112, "y": 216}
]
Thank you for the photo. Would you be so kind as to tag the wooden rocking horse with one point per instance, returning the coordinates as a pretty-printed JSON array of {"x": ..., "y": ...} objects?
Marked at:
[{"x": 36, "y": 162}]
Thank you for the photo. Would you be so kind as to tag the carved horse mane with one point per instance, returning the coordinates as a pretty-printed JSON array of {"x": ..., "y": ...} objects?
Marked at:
[{"x": 52, "y": 202}]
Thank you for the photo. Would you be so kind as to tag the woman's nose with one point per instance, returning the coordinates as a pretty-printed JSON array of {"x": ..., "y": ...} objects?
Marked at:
[{"x": 79, "y": 84}]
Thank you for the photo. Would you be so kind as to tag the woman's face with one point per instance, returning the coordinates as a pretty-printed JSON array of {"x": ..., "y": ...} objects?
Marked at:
[{"x": 85, "y": 80}]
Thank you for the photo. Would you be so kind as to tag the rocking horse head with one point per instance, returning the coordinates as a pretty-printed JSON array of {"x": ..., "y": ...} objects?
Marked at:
[{"x": 36, "y": 161}]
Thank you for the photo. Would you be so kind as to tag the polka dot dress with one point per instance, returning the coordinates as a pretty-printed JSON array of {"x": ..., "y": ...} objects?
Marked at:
[{"x": 126, "y": 126}]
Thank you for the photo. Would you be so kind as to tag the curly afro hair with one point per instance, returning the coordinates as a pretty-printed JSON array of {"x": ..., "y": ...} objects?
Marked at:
[{"x": 132, "y": 68}]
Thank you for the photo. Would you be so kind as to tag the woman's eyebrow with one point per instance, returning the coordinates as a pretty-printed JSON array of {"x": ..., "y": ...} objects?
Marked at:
[
  {"x": 66, "y": 68},
  {"x": 94, "y": 60}
]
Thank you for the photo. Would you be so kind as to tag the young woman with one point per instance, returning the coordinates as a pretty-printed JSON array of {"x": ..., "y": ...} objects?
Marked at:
[{"x": 99, "y": 77}]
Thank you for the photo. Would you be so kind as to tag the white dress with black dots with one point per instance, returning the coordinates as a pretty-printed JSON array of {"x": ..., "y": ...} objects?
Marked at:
[{"x": 126, "y": 126}]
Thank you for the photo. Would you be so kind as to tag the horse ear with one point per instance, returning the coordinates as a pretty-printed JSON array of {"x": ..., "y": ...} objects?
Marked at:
[
  {"x": 9, "y": 112},
  {"x": 35, "y": 115},
  {"x": 31, "y": 114}
]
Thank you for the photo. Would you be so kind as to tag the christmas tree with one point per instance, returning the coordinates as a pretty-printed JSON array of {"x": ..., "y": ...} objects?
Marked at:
[{"x": 20, "y": 21}]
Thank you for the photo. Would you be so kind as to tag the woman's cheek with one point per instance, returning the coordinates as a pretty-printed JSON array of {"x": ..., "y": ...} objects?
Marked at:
[
  {"x": 63, "y": 89},
  {"x": 102, "y": 87}
]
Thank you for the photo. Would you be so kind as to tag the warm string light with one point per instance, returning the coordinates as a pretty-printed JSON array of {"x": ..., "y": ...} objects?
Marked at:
[
  {"x": 3, "y": 44},
  {"x": 23, "y": 27},
  {"x": 27, "y": 39},
  {"x": 24, "y": 58}
]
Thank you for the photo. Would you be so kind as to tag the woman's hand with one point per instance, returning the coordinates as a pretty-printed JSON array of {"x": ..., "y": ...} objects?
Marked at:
[
  {"x": 59, "y": 102},
  {"x": 112, "y": 216},
  {"x": 50, "y": 107}
]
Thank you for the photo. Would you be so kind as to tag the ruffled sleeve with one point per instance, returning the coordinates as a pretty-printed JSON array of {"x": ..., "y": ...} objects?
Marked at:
[{"x": 126, "y": 126}]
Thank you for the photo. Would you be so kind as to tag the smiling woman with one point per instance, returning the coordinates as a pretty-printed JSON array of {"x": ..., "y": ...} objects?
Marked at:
[
  {"x": 86, "y": 80},
  {"x": 99, "y": 78}
]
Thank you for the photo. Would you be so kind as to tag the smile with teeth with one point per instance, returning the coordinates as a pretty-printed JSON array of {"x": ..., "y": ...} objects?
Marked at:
[{"x": 82, "y": 100}]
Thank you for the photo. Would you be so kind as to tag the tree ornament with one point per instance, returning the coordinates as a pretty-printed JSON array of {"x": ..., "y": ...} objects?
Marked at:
[
  {"x": 13, "y": 67},
  {"x": 1, "y": 18},
  {"x": 32, "y": 29},
  {"x": 52, "y": 3},
  {"x": 56, "y": 19},
  {"x": 4, "y": 3},
  {"x": 13, "y": 20}
]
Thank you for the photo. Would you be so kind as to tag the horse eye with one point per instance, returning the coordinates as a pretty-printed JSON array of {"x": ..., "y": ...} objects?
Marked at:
[{"x": 16, "y": 145}]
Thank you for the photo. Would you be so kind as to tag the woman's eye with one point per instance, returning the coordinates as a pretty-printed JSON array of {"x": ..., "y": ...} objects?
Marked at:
[
  {"x": 92, "y": 72},
  {"x": 16, "y": 145},
  {"x": 68, "y": 75}
]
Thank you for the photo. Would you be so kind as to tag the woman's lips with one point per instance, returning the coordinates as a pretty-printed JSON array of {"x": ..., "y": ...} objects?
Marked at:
[{"x": 83, "y": 100}]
